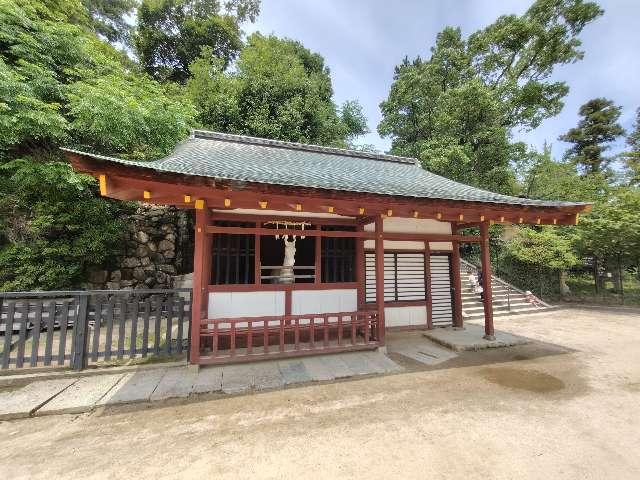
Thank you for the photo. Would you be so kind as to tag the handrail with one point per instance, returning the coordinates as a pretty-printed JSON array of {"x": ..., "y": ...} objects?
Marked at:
[{"x": 369, "y": 313}]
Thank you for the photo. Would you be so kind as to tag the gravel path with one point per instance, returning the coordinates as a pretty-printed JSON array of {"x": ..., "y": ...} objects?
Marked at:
[{"x": 563, "y": 407}]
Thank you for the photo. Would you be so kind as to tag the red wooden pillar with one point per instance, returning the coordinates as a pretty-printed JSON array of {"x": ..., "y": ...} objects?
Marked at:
[
  {"x": 360, "y": 269},
  {"x": 427, "y": 284},
  {"x": 201, "y": 278},
  {"x": 380, "y": 277},
  {"x": 256, "y": 258},
  {"x": 486, "y": 282},
  {"x": 318, "y": 261},
  {"x": 455, "y": 278}
]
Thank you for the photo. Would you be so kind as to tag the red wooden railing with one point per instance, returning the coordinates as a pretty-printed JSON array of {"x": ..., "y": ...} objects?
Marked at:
[{"x": 225, "y": 340}]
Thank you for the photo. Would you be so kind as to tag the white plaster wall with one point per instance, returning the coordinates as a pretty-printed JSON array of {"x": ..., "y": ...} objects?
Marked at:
[
  {"x": 324, "y": 301},
  {"x": 405, "y": 316},
  {"x": 245, "y": 304},
  {"x": 411, "y": 225}
]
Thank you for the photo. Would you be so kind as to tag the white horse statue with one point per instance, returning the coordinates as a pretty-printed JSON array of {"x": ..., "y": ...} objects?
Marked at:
[{"x": 285, "y": 274}]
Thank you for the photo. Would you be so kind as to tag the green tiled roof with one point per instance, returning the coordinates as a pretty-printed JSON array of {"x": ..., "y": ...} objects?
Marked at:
[{"x": 250, "y": 159}]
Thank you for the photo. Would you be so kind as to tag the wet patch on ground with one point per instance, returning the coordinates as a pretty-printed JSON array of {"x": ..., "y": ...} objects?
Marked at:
[
  {"x": 633, "y": 387},
  {"x": 523, "y": 379}
]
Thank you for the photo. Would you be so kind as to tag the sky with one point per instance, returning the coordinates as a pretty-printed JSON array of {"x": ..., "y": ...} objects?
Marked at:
[{"x": 363, "y": 40}]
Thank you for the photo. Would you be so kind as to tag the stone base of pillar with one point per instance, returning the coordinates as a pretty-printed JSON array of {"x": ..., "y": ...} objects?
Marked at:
[{"x": 489, "y": 338}]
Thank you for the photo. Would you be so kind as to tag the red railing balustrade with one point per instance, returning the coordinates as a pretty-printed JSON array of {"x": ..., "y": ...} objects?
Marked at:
[{"x": 224, "y": 340}]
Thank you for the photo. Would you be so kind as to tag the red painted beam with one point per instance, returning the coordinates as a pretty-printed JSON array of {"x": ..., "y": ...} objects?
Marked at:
[{"x": 435, "y": 237}]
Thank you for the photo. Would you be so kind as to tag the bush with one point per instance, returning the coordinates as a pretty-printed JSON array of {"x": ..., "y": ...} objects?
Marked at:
[{"x": 52, "y": 226}]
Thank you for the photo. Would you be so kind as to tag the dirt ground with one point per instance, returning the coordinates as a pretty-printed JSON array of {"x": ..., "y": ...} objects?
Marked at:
[{"x": 565, "y": 406}]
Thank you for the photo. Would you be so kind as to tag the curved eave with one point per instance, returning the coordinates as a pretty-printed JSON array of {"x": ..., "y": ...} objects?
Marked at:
[{"x": 135, "y": 178}]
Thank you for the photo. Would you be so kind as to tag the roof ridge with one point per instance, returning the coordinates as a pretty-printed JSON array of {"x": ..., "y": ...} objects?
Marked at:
[{"x": 229, "y": 137}]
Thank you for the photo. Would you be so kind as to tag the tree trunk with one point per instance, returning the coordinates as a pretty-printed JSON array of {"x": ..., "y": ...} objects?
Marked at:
[
  {"x": 620, "y": 279},
  {"x": 596, "y": 280},
  {"x": 564, "y": 288},
  {"x": 540, "y": 279}
]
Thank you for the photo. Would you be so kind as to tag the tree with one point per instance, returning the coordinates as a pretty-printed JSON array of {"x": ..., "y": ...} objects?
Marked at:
[
  {"x": 632, "y": 157},
  {"x": 597, "y": 127},
  {"x": 455, "y": 111},
  {"x": 542, "y": 249},
  {"x": 109, "y": 18},
  {"x": 60, "y": 85},
  {"x": 53, "y": 227},
  {"x": 548, "y": 179},
  {"x": 612, "y": 230},
  {"x": 127, "y": 115},
  {"x": 279, "y": 90},
  {"x": 172, "y": 33}
]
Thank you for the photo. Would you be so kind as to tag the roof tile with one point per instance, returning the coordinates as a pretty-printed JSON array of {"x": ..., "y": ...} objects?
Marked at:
[{"x": 250, "y": 159}]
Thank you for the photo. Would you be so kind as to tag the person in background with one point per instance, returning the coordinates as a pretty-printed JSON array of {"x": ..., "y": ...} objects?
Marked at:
[
  {"x": 473, "y": 281},
  {"x": 532, "y": 299}
]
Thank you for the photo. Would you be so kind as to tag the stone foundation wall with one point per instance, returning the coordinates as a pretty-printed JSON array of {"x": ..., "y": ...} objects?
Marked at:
[{"x": 157, "y": 246}]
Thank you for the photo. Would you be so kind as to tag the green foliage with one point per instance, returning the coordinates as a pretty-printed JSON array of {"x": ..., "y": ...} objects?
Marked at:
[
  {"x": 613, "y": 227},
  {"x": 542, "y": 248},
  {"x": 127, "y": 114},
  {"x": 53, "y": 228},
  {"x": 172, "y": 33},
  {"x": 62, "y": 86},
  {"x": 547, "y": 179},
  {"x": 278, "y": 90},
  {"x": 456, "y": 110},
  {"x": 632, "y": 157},
  {"x": 39, "y": 55},
  {"x": 597, "y": 127},
  {"x": 109, "y": 18}
]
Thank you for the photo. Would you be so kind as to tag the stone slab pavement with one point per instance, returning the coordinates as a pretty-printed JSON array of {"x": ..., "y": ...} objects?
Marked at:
[
  {"x": 23, "y": 402},
  {"x": 420, "y": 349},
  {"x": 86, "y": 393},
  {"x": 81, "y": 396},
  {"x": 471, "y": 338}
]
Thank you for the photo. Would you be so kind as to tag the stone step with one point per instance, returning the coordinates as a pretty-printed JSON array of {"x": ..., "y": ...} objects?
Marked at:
[
  {"x": 500, "y": 289},
  {"x": 496, "y": 296},
  {"x": 497, "y": 307},
  {"x": 506, "y": 301},
  {"x": 502, "y": 313}
]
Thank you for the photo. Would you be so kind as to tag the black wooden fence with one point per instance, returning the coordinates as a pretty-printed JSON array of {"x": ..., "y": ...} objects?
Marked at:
[{"x": 78, "y": 328}]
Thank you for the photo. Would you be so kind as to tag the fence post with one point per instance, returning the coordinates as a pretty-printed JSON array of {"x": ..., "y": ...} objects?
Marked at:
[
  {"x": 79, "y": 360},
  {"x": 189, "y": 329}
]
